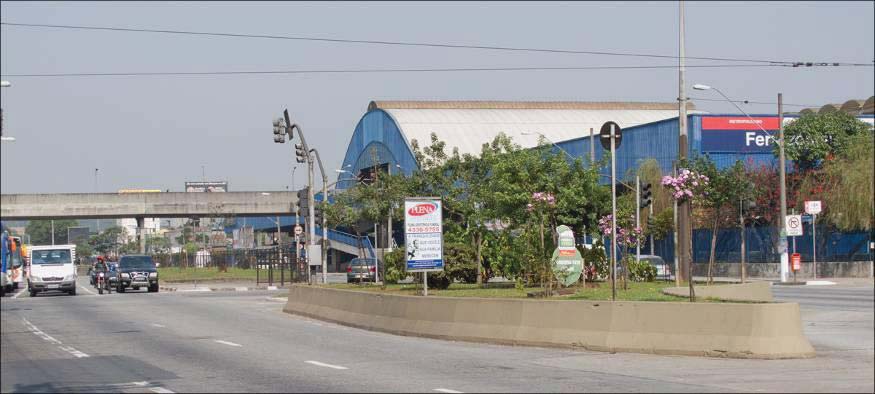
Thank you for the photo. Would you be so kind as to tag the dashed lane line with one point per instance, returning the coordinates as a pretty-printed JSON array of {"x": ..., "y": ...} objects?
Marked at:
[
  {"x": 161, "y": 390},
  {"x": 227, "y": 343},
  {"x": 86, "y": 290},
  {"x": 48, "y": 338},
  {"x": 321, "y": 364},
  {"x": 19, "y": 293},
  {"x": 158, "y": 325},
  {"x": 447, "y": 391}
]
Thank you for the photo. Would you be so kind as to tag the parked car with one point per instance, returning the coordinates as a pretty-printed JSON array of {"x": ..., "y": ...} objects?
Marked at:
[
  {"x": 136, "y": 271},
  {"x": 361, "y": 270},
  {"x": 663, "y": 270}
]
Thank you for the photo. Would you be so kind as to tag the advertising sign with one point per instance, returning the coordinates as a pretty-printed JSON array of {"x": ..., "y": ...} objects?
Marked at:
[
  {"x": 423, "y": 234},
  {"x": 738, "y": 134},
  {"x": 813, "y": 207},
  {"x": 201, "y": 187},
  {"x": 567, "y": 261},
  {"x": 794, "y": 225}
]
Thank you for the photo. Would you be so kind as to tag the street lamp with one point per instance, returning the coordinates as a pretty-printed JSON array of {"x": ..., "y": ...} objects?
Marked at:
[{"x": 782, "y": 170}]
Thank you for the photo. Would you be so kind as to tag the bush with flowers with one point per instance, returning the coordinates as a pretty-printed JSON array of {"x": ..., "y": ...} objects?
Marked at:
[{"x": 688, "y": 185}]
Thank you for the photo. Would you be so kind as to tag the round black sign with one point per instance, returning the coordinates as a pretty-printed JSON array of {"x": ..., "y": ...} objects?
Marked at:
[{"x": 605, "y": 134}]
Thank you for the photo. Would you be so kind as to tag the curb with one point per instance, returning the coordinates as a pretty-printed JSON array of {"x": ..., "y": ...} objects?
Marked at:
[{"x": 224, "y": 288}]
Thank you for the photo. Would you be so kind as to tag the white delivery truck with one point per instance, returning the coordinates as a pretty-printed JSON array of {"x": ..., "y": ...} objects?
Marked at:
[{"x": 52, "y": 268}]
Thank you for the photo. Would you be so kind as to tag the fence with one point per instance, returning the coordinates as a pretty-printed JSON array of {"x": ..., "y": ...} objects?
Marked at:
[
  {"x": 272, "y": 265},
  {"x": 760, "y": 245}
]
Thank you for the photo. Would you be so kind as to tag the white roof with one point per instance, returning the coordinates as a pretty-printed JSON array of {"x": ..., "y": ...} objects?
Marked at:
[{"x": 469, "y": 128}]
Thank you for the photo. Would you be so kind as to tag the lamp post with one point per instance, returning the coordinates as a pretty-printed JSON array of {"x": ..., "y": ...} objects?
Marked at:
[{"x": 782, "y": 177}]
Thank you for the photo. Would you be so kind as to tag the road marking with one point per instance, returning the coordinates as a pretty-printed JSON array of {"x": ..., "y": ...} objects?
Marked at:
[
  {"x": 48, "y": 338},
  {"x": 157, "y": 325},
  {"x": 819, "y": 283},
  {"x": 271, "y": 287},
  {"x": 159, "y": 390},
  {"x": 227, "y": 343},
  {"x": 86, "y": 289},
  {"x": 241, "y": 289},
  {"x": 317, "y": 363},
  {"x": 447, "y": 391},
  {"x": 200, "y": 289},
  {"x": 18, "y": 294}
]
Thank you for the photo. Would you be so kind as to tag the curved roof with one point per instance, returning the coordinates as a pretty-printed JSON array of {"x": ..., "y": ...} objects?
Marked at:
[{"x": 467, "y": 125}]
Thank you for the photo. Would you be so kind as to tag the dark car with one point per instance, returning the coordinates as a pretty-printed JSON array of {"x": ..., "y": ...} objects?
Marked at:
[
  {"x": 361, "y": 270},
  {"x": 136, "y": 271}
]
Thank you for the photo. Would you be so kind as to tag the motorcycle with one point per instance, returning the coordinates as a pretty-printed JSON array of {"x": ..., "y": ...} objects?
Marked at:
[{"x": 102, "y": 282}]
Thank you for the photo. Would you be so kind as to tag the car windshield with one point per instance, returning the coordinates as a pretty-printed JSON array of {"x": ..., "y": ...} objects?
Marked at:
[
  {"x": 51, "y": 256},
  {"x": 136, "y": 262}
]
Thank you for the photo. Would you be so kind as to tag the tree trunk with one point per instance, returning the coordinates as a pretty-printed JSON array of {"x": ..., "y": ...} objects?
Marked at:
[
  {"x": 743, "y": 247},
  {"x": 477, "y": 242},
  {"x": 713, "y": 247}
]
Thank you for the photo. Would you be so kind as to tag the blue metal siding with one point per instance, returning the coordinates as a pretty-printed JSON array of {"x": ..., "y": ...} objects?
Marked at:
[{"x": 378, "y": 130}]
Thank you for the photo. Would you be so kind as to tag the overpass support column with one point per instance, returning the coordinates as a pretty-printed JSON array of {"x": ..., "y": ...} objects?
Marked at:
[{"x": 141, "y": 236}]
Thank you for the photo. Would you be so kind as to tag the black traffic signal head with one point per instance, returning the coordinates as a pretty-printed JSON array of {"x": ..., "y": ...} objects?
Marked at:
[
  {"x": 279, "y": 131},
  {"x": 646, "y": 194}
]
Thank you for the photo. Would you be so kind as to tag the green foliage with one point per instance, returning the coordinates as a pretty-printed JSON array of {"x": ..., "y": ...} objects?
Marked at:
[
  {"x": 640, "y": 271},
  {"x": 597, "y": 258},
  {"x": 847, "y": 186},
  {"x": 190, "y": 248},
  {"x": 814, "y": 138},
  {"x": 40, "y": 231},
  {"x": 649, "y": 171},
  {"x": 107, "y": 240},
  {"x": 395, "y": 266},
  {"x": 661, "y": 225}
]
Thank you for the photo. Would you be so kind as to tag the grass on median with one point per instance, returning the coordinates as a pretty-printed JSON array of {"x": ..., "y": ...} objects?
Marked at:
[
  {"x": 637, "y": 291},
  {"x": 173, "y": 274}
]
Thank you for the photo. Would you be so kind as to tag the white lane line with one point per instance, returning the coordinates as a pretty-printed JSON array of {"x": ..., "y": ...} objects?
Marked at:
[
  {"x": 157, "y": 325},
  {"x": 48, "y": 338},
  {"x": 86, "y": 289},
  {"x": 317, "y": 363},
  {"x": 19, "y": 293},
  {"x": 227, "y": 343},
  {"x": 159, "y": 390},
  {"x": 447, "y": 391}
]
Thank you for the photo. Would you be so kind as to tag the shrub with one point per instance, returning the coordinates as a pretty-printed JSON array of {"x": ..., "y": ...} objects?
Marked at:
[
  {"x": 395, "y": 266},
  {"x": 596, "y": 261},
  {"x": 640, "y": 271}
]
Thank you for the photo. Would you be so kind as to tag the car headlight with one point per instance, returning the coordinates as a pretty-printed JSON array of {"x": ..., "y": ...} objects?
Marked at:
[
  {"x": 69, "y": 278},
  {"x": 153, "y": 275},
  {"x": 36, "y": 278}
]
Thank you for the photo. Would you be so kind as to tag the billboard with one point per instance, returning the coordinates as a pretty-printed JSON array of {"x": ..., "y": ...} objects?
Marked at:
[
  {"x": 739, "y": 134},
  {"x": 206, "y": 187},
  {"x": 423, "y": 234}
]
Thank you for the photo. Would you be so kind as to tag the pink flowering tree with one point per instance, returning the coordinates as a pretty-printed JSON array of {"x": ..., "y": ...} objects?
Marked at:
[
  {"x": 687, "y": 186},
  {"x": 542, "y": 209},
  {"x": 628, "y": 236}
]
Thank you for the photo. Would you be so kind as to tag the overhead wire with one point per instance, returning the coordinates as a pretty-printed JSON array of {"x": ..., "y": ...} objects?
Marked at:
[
  {"x": 377, "y": 70},
  {"x": 426, "y": 44}
]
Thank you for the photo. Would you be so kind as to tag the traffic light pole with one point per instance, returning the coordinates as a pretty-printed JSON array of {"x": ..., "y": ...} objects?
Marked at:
[
  {"x": 324, "y": 220},
  {"x": 309, "y": 159}
]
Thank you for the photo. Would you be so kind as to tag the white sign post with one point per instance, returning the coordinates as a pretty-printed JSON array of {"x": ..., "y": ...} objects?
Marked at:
[
  {"x": 423, "y": 236},
  {"x": 813, "y": 208}
]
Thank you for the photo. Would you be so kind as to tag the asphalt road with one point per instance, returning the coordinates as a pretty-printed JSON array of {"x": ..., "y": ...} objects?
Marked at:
[{"x": 242, "y": 342}]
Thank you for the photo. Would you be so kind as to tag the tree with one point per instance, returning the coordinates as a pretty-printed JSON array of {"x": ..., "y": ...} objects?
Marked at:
[
  {"x": 814, "y": 139},
  {"x": 107, "y": 240},
  {"x": 41, "y": 231}
]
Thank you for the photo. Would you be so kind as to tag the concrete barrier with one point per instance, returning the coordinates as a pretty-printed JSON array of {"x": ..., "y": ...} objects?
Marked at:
[
  {"x": 760, "y": 291},
  {"x": 768, "y": 331}
]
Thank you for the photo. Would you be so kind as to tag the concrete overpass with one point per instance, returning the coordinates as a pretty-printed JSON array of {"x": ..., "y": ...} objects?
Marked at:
[{"x": 145, "y": 205}]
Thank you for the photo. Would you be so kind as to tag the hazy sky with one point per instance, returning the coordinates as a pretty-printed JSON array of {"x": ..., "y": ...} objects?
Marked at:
[{"x": 157, "y": 131}]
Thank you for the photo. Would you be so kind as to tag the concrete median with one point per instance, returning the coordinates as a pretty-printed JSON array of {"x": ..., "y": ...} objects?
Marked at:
[
  {"x": 760, "y": 291},
  {"x": 768, "y": 331}
]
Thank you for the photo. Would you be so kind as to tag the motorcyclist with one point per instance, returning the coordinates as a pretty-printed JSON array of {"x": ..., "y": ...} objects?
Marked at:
[{"x": 100, "y": 267}]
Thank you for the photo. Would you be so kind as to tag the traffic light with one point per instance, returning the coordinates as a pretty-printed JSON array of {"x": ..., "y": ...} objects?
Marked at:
[
  {"x": 303, "y": 200},
  {"x": 300, "y": 153},
  {"x": 279, "y": 132},
  {"x": 646, "y": 199}
]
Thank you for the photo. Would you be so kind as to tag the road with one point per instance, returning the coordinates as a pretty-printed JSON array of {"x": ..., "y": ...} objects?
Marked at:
[{"x": 243, "y": 342}]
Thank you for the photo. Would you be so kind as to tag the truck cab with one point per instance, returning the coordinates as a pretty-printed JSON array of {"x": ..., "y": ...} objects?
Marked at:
[{"x": 52, "y": 269}]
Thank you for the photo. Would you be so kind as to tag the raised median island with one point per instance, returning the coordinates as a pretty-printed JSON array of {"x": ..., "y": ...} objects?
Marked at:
[{"x": 714, "y": 329}]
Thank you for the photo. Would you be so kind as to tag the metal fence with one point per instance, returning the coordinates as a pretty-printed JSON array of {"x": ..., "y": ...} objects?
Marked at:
[{"x": 272, "y": 265}]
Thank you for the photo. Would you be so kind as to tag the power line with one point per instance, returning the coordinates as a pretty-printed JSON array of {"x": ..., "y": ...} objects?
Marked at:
[
  {"x": 376, "y": 70},
  {"x": 755, "y": 102},
  {"x": 424, "y": 44}
]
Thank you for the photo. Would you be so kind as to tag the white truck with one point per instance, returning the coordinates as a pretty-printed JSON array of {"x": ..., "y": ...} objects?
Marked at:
[{"x": 52, "y": 268}]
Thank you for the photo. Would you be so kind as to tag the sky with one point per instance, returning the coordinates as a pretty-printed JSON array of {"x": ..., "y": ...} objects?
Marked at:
[{"x": 157, "y": 132}]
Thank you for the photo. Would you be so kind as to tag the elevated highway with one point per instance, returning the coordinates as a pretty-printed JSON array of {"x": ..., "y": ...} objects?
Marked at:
[{"x": 145, "y": 205}]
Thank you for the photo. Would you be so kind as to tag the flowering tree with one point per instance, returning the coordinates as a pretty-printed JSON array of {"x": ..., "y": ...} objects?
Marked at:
[
  {"x": 688, "y": 185},
  {"x": 628, "y": 235}
]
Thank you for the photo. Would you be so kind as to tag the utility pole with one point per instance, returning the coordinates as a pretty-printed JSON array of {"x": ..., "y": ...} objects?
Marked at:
[
  {"x": 637, "y": 217},
  {"x": 324, "y": 254},
  {"x": 782, "y": 162},
  {"x": 591, "y": 148},
  {"x": 53, "y": 232},
  {"x": 684, "y": 241}
]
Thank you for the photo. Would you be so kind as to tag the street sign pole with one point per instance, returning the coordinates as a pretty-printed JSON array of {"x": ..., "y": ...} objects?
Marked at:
[
  {"x": 638, "y": 217},
  {"x": 814, "y": 243},
  {"x": 613, "y": 216}
]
